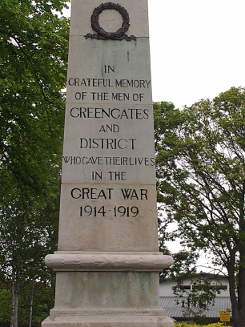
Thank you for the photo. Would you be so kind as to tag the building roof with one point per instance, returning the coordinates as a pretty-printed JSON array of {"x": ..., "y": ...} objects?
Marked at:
[
  {"x": 197, "y": 276},
  {"x": 174, "y": 310}
]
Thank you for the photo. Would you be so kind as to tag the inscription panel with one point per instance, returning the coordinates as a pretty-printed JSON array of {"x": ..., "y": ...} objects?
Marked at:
[
  {"x": 121, "y": 73},
  {"x": 110, "y": 111},
  {"x": 108, "y": 217},
  {"x": 105, "y": 140}
]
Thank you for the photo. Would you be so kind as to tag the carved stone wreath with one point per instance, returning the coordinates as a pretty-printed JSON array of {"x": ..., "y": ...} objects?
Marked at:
[{"x": 102, "y": 34}]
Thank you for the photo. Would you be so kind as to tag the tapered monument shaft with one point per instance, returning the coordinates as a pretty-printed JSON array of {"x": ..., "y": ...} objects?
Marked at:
[{"x": 107, "y": 263}]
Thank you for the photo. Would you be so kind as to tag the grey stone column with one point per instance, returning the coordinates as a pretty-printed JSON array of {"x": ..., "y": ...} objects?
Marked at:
[{"x": 107, "y": 263}]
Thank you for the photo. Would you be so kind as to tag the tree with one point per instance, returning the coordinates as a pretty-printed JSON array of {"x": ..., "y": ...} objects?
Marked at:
[
  {"x": 43, "y": 301},
  {"x": 33, "y": 56},
  {"x": 201, "y": 182}
]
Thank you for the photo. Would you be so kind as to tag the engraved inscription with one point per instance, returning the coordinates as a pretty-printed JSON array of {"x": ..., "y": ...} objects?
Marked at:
[
  {"x": 108, "y": 149},
  {"x": 91, "y": 194}
]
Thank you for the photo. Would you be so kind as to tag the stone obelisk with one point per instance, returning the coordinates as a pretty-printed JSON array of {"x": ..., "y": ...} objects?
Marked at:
[{"x": 107, "y": 263}]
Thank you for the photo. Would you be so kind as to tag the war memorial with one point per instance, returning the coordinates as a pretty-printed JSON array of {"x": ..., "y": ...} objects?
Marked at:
[{"x": 107, "y": 264}]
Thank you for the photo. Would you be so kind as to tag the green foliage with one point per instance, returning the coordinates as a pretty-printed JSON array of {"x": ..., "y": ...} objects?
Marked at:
[
  {"x": 43, "y": 301},
  {"x": 203, "y": 291},
  {"x": 33, "y": 56},
  {"x": 5, "y": 300},
  {"x": 185, "y": 324},
  {"x": 201, "y": 182}
]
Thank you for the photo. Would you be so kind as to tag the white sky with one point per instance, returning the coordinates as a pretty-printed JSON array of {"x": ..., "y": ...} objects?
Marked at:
[{"x": 197, "y": 48}]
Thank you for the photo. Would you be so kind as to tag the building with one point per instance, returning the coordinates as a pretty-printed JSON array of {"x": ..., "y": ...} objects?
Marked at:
[{"x": 178, "y": 308}]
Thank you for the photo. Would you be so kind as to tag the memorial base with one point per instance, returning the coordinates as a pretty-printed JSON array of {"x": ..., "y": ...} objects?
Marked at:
[
  {"x": 105, "y": 320},
  {"x": 126, "y": 295}
]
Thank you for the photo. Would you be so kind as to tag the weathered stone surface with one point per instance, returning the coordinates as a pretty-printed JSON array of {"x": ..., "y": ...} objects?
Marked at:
[
  {"x": 119, "y": 224},
  {"x": 107, "y": 263},
  {"x": 81, "y": 12},
  {"x": 104, "y": 320},
  {"x": 94, "y": 261}
]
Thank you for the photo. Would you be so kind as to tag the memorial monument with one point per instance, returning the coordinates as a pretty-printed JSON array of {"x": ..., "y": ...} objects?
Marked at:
[{"x": 107, "y": 263}]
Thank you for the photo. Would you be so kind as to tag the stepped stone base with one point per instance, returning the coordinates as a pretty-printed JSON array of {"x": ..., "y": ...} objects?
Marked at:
[
  {"x": 111, "y": 298},
  {"x": 105, "y": 320}
]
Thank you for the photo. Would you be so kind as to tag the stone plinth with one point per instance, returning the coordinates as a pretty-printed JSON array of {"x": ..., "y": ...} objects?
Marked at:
[{"x": 107, "y": 263}]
